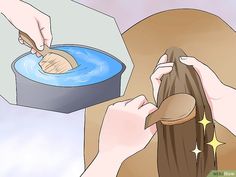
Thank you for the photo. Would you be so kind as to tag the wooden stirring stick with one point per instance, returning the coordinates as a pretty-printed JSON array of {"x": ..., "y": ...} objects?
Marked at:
[
  {"x": 175, "y": 109},
  {"x": 54, "y": 61}
]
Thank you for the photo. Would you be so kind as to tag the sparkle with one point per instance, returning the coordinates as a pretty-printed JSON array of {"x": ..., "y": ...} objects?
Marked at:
[
  {"x": 196, "y": 151},
  {"x": 204, "y": 122},
  {"x": 214, "y": 143}
]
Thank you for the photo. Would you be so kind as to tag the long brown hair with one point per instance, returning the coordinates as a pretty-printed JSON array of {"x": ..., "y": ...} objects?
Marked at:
[{"x": 176, "y": 143}]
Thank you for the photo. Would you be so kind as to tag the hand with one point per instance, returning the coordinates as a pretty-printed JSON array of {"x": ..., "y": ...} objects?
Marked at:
[
  {"x": 162, "y": 68},
  {"x": 123, "y": 130},
  {"x": 29, "y": 20},
  {"x": 220, "y": 97},
  {"x": 122, "y": 135}
]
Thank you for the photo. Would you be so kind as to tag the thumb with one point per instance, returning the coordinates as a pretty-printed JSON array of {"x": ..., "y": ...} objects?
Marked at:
[
  {"x": 37, "y": 37},
  {"x": 209, "y": 79},
  {"x": 152, "y": 130}
]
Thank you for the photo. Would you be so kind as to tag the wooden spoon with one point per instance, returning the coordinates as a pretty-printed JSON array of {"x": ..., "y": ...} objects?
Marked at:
[
  {"x": 176, "y": 109},
  {"x": 54, "y": 61}
]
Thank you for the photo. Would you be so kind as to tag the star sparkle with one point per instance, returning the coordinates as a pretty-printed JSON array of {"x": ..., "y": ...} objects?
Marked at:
[
  {"x": 204, "y": 122},
  {"x": 214, "y": 143},
  {"x": 196, "y": 151}
]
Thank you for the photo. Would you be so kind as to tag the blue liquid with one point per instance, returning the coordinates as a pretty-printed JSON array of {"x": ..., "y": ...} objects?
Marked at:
[{"x": 94, "y": 67}]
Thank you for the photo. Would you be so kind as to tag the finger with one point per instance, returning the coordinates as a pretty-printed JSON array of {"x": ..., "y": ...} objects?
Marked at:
[
  {"x": 149, "y": 133},
  {"x": 37, "y": 37},
  {"x": 209, "y": 79},
  {"x": 164, "y": 65},
  {"x": 157, "y": 75},
  {"x": 148, "y": 109},
  {"x": 20, "y": 40},
  {"x": 190, "y": 61},
  {"x": 156, "y": 79},
  {"x": 163, "y": 59},
  {"x": 38, "y": 54},
  {"x": 152, "y": 129},
  {"x": 122, "y": 103},
  {"x": 33, "y": 51},
  {"x": 45, "y": 26},
  {"x": 137, "y": 102}
]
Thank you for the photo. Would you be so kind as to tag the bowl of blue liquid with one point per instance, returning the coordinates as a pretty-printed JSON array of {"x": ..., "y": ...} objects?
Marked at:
[{"x": 95, "y": 80}]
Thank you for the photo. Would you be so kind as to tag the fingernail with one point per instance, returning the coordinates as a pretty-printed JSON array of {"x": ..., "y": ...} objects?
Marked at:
[
  {"x": 182, "y": 58},
  {"x": 40, "y": 47},
  {"x": 38, "y": 54}
]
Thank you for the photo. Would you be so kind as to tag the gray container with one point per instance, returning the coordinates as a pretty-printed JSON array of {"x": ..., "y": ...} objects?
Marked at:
[{"x": 65, "y": 99}]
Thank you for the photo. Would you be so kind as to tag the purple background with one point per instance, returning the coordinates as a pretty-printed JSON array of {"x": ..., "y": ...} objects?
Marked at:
[{"x": 129, "y": 12}]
